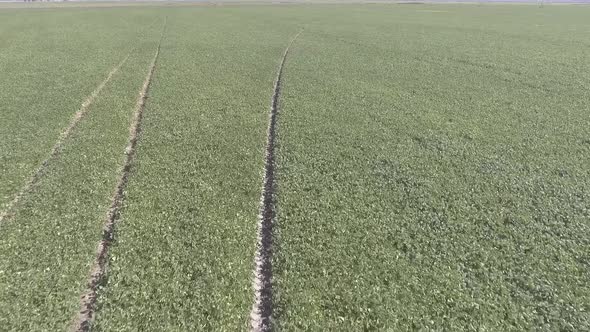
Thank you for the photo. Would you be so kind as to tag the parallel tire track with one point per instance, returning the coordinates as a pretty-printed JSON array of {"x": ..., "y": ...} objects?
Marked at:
[
  {"x": 261, "y": 314},
  {"x": 57, "y": 147},
  {"x": 63, "y": 137},
  {"x": 88, "y": 299}
]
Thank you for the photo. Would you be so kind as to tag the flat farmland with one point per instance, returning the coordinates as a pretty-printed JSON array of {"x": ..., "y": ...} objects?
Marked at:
[{"x": 342, "y": 167}]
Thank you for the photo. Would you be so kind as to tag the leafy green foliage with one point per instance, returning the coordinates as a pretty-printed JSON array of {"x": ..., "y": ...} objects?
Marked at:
[
  {"x": 433, "y": 172},
  {"x": 432, "y": 166}
]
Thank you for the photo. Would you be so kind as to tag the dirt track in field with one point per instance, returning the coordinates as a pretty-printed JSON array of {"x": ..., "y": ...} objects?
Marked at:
[
  {"x": 261, "y": 314},
  {"x": 84, "y": 318}
]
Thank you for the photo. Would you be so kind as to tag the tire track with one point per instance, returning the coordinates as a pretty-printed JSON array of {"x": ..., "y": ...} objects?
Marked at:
[
  {"x": 85, "y": 316},
  {"x": 63, "y": 137},
  {"x": 261, "y": 314}
]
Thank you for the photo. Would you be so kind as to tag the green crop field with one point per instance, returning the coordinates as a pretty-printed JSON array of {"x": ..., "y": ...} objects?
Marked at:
[{"x": 416, "y": 167}]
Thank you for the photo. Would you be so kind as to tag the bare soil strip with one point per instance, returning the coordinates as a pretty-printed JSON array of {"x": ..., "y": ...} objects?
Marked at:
[
  {"x": 88, "y": 300},
  {"x": 57, "y": 147},
  {"x": 261, "y": 314}
]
